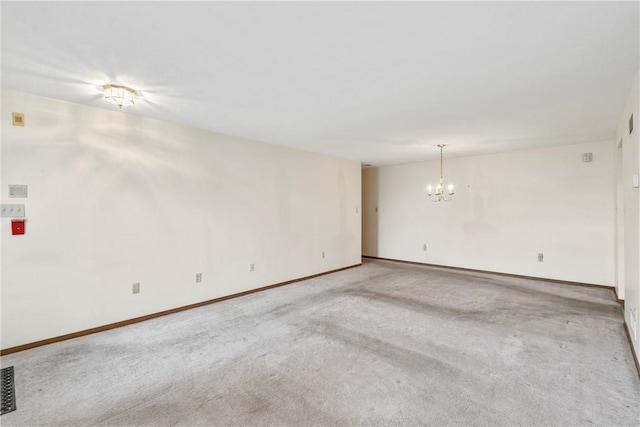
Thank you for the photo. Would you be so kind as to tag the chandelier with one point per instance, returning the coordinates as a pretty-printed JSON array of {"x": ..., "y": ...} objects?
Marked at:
[
  {"x": 439, "y": 195},
  {"x": 119, "y": 95}
]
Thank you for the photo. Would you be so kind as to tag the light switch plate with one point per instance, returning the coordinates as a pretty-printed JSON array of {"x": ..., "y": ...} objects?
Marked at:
[
  {"x": 12, "y": 211},
  {"x": 636, "y": 181}
]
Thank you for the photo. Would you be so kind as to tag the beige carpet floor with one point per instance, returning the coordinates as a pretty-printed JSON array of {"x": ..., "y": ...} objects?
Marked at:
[{"x": 381, "y": 344}]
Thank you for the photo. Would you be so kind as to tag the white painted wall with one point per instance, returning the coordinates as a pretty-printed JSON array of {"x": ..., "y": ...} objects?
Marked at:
[
  {"x": 508, "y": 207},
  {"x": 629, "y": 254},
  {"x": 116, "y": 199}
]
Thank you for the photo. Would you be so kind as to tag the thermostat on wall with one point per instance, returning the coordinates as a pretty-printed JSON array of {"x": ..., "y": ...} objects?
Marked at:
[{"x": 17, "y": 190}]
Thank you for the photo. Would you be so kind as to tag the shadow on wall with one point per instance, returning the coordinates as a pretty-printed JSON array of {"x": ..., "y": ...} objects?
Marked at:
[{"x": 370, "y": 196}]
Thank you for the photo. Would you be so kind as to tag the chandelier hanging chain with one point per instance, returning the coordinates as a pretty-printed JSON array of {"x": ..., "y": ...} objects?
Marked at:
[{"x": 441, "y": 176}]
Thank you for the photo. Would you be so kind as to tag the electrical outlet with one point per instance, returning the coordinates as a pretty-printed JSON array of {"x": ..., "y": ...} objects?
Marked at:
[
  {"x": 322, "y": 254},
  {"x": 135, "y": 288},
  {"x": 540, "y": 257},
  {"x": 424, "y": 247},
  {"x": 198, "y": 277},
  {"x": 356, "y": 210},
  {"x": 252, "y": 267}
]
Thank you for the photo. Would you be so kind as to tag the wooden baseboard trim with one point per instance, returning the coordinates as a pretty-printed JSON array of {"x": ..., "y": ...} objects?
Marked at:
[
  {"x": 633, "y": 352},
  {"x": 620, "y": 301},
  {"x": 542, "y": 279},
  {"x": 65, "y": 337}
]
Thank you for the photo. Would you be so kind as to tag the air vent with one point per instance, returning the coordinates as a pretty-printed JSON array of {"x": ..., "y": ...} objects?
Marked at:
[{"x": 8, "y": 391}]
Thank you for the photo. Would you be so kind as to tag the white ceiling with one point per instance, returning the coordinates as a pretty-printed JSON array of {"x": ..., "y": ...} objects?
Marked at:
[{"x": 378, "y": 82}]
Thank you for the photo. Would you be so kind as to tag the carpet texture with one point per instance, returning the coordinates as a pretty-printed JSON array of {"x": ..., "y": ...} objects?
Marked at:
[{"x": 382, "y": 344}]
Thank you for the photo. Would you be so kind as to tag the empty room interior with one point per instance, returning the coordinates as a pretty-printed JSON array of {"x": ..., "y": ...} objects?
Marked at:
[{"x": 320, "y": 213}]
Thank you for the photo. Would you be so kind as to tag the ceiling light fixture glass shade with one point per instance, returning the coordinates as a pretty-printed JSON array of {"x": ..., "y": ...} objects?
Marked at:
[
  {"x": 439, "y": 195},
  {"x": 119, "y": 95}
]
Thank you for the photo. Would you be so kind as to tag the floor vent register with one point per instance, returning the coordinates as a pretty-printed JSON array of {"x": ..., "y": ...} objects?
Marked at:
[{"x": 8, "y": 391}]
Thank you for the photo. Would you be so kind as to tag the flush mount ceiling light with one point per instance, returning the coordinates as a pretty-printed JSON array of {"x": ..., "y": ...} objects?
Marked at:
[
  {"x": 119, "y": 95},
  {"x": 439, "y": 195}
]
